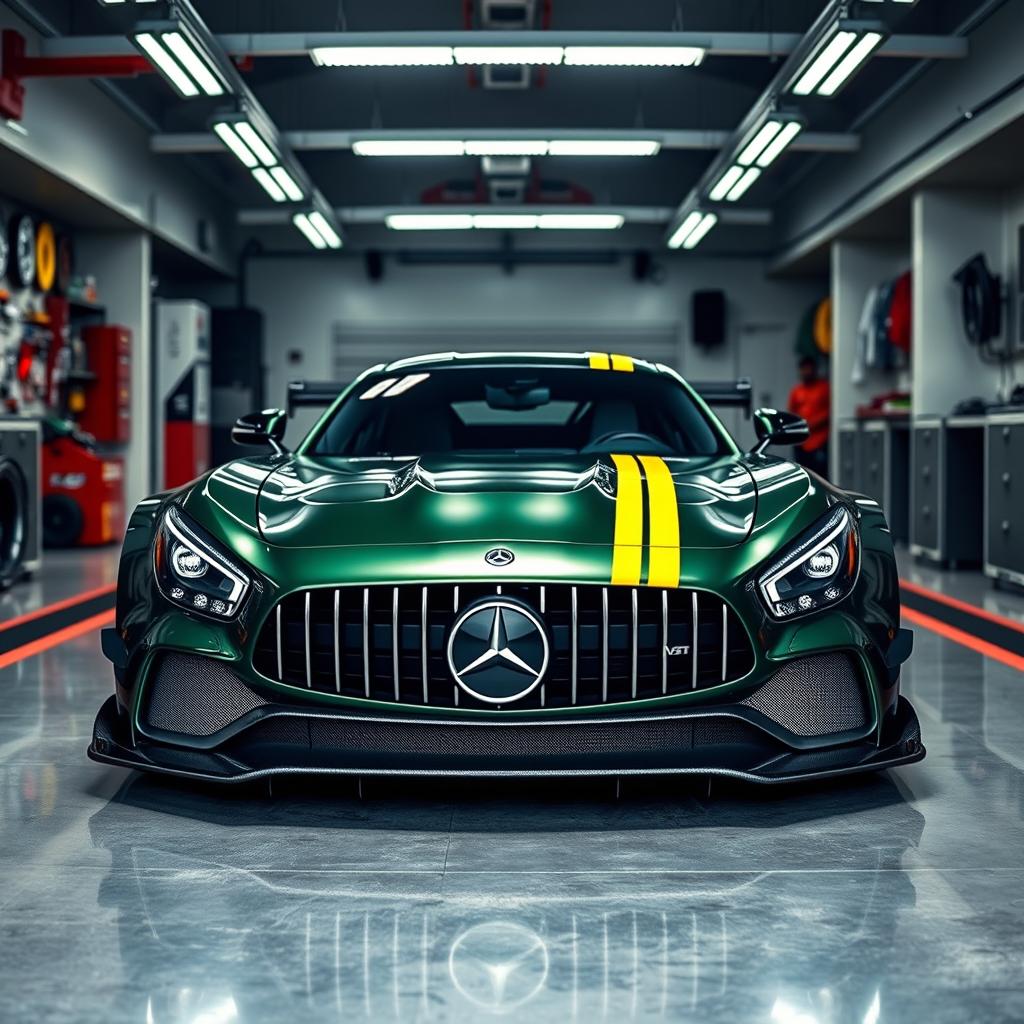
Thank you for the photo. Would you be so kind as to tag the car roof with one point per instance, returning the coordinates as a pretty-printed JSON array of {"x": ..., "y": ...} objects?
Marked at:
[{"x": 594, "y": 360}]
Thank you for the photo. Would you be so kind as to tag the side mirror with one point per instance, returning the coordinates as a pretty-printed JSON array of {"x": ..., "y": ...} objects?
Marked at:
[
  {"x": 774, "y": 426},
  {"x": 261, "y": 428}
]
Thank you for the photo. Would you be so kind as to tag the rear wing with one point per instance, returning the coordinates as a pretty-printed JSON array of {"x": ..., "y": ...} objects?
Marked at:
[
  {"x": 302, "y": 393},
  {"x": 736, "y": 394}
]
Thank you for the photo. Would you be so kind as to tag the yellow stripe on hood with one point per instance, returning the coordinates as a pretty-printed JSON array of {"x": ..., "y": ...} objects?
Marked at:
[
  {"x": 663, "y": 570},
  {"x": 629, "y": 522}
]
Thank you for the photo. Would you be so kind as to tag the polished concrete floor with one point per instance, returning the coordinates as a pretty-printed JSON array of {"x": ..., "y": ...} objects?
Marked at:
[{"x": 897, "y": 897}]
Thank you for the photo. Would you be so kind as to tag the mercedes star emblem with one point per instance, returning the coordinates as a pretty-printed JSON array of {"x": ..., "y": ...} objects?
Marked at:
[
  {"x": 498, "y": 651},
  {"x": 499, "y": 557},
  {"x": 499, "y": 965}
]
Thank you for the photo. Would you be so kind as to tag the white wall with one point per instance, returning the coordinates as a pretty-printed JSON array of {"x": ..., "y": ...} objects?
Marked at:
[
  {"x": 121, "y": 262},
  {"x": 948, "y": 228},
  {"x": 304, "y": 299}
]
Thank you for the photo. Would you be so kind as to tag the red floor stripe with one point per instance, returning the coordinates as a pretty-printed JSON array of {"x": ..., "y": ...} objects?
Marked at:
[
  {"x": 58, "y": 605},
  {"x": 964, "y": 639},
  {"x": 94, "y": 622},
  {"x": 953, "y": 602}
]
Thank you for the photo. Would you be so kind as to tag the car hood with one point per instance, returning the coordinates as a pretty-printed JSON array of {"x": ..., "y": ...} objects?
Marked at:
[{"x": 305, "y": 502}]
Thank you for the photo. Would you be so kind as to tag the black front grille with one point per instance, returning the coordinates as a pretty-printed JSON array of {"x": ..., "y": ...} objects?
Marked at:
[{"x": 389, "y": 643}]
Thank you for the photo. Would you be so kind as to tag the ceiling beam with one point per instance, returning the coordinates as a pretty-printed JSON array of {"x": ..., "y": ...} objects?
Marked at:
[
  {"x": 682, "y": 139},
  {"x": 717, "y": 44},
  {"x": 657, "y": 215}
]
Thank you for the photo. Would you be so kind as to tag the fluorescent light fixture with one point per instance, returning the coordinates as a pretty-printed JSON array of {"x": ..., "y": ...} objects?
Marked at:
[
  {"x": 789, "y": 132},
  {"x": 380, "y": 56},
  {"x": 507, "y": 147},
  {"x": 429, "y": 221},
  {"x": 262, "y": 175},
  {"x": 635, "y": 56},
  {"x": 408, "y": 147},
  {"x": 865, "y": 46},
  {"x": 226, "y": 132},
  {"x": 166, "y": 65},
  {"x": 511, "y": 165},
  {"x": 287, "y": 183},
  {"x": 604, "y": 147},
  {"x": 725, "y": 182},
  {"x": 581, "y": 221},
  {"x": 750, "y": 175},
  {"x": 681, "y": 233},
  {"x": 325, "y": 229},
  {"x": 753, "y": 149},
  {"x": 809, "y": 79},
  {"x": 256, "y": 143},
  {"x": 508, "y": 54},
  {"x": 505, "y": 221},
  {"x": 193, "y": 63},
  {"x": 707, "y": 222},
  {"x": 302, "y": 222}
]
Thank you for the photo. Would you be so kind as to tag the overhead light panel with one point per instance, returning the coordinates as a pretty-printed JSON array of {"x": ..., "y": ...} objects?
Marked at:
[
  {"x": 302, "y": 222},
  {"x": 634, "y": 56},
  {"x": 707, "y": 222},
  {"x": 681, "y": 233},
  {"x": 270, "y": 186},
  {"x": 579, "y": 56},
  {"x": 256, "y": 143},
  {"x": 325, "y": 229},
  {"x": 429, "y": 221},
  {"x": 749, "y": 176},
  {"x": 506, "y": 147},
  {"x": 504, "y": 221},
  {"x": 841, "y": 52},
  {"x": 179, "y": 53},
  {"x": 287, "y": 184},
  {"x": 604, "y": 147},
  {"x": 786, "y": 135},
  {"x": 225, "y": 131},
  {"x": 581, "y": 221},
  {"x": 721, "y": 187},
  {"x": 408, "y": 147},
  {"x": 508, "y": 54},
  {"x": 380, "y": 56}
]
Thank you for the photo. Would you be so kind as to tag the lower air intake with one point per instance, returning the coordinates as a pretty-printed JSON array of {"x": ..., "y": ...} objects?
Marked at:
[
  {"x": 814, "y": 696},
  {"x": 196, "y": 696}
]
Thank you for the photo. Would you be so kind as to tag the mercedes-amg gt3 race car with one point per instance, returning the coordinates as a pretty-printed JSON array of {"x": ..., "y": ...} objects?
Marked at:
[{"x": 509, "y": 564}]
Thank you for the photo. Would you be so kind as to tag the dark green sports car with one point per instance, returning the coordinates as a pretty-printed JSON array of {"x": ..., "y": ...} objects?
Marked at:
[{"x": 509, "y": 564}]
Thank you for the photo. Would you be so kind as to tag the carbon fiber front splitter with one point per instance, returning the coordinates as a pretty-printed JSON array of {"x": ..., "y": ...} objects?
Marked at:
[{"x": 706, "y": 744}]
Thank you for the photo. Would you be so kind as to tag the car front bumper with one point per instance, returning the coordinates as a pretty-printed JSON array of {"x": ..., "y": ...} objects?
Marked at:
[{"x": 708, "y": 741}]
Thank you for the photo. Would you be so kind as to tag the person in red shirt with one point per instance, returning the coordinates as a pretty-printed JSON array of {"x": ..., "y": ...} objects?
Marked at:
[{"x": 812, "y": 399}]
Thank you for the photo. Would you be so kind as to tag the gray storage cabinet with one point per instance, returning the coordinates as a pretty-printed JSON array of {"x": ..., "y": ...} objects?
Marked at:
[
  {"x": 947, "y": 490},
  {"x": 1004, "y": 492}
]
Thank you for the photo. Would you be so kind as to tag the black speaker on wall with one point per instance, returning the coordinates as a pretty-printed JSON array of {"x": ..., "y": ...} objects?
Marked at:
[{"x": 708, "y": 318}]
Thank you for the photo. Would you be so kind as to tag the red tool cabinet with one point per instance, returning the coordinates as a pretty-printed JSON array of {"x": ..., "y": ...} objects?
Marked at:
[{"x": 107, "y": 413}]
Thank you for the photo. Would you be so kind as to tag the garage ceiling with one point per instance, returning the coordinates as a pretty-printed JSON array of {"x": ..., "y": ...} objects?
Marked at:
[{"x": 712, "y": 98}]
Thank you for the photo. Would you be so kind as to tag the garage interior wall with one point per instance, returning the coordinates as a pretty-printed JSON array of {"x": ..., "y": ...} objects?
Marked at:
[{"x": 306, "y": 302}]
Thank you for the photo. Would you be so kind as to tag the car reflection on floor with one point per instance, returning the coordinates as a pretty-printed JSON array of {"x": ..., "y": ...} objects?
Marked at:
[{"x": 207, "y": 936}]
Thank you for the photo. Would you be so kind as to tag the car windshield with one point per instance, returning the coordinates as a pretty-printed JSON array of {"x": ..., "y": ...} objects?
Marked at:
[{"x": 517, "y": 409}]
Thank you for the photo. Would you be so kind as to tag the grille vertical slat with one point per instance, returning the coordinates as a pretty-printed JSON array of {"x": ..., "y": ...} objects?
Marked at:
[
  {"x": 277, "y": 620},
  {"x": 725, "y": 641},
  {"x": 366, "y": 641},
  {"x": 423, "y": 646},
  {"x": 394, "y": 641},
  {"x": 608, "y": 645},
  {"x": 635, "y": 639},
  {"x": 604, "y": 645},
  {"x": 574, "y": 630},
  {"x": 695, "y": 640},
  {"x": 337, "y": 641},
  {"x": 308, "y": 646}
]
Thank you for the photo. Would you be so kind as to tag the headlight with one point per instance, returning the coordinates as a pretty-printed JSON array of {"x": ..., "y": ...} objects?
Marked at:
[
  {"x": 818, "y": 569},
  {"x": 193, "y": 571}
]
